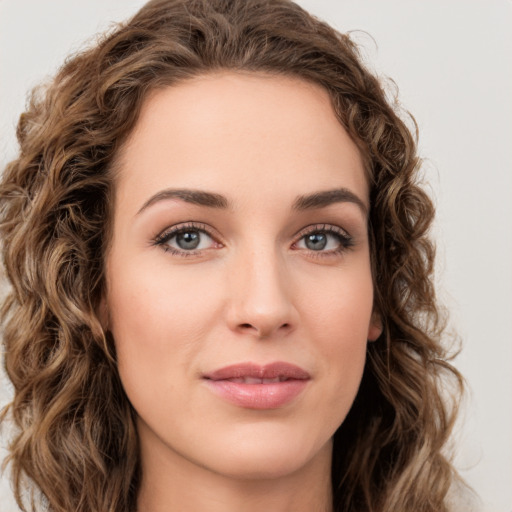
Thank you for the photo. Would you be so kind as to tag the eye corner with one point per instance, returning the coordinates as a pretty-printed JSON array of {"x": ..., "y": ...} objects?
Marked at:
[
  {"x": 344, "y": 241},
  {"x": 196, "y": 244}
]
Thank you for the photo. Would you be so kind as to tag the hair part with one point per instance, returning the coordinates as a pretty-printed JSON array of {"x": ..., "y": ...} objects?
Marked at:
[{"x": 76, "y": 438}]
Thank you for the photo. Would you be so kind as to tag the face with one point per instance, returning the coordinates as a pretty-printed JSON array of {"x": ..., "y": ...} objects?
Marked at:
[{"x": 239, "y": 290}]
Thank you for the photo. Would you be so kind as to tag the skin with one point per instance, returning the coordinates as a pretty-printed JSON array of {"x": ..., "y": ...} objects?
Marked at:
[{"x": 254, "y": 290}]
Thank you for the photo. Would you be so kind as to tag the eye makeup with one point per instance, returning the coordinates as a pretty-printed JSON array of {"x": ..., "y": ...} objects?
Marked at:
[
  {"x": 187, "y": 239},
  {"x": 193, "y": 238}
]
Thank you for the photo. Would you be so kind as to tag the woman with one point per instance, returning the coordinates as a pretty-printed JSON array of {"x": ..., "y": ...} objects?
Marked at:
[{"x": 221, "y": 276}]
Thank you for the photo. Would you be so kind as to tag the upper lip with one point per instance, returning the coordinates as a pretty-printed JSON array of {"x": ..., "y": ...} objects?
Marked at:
[{"x": 279, "y": 369}]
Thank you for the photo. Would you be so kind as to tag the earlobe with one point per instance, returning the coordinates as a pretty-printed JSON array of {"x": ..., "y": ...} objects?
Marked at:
[
  {"x": 375, "y": 328},
  {"x": 103, "y": 314}
]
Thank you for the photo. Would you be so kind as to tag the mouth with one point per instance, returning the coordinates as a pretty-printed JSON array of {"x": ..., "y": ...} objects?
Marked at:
[
  {"x": 257, "y": 380},
  {"x": 252, "y": 386}
]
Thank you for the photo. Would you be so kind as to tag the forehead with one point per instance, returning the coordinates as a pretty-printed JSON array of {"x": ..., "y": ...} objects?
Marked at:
[{"x": 232, "y": 132}]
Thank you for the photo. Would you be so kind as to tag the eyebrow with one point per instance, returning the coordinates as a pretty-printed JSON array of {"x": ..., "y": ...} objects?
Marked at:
[
  {"x": 198, "y": 197},
  {"x": 312, "y": 201},
  {"x": 328, "y": 197}
]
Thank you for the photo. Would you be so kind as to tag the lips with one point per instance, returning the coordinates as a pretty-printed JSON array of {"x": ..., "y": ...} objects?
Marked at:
[
  {"x": 253, "y": 386},
  {"x": 256, "y": 380}
]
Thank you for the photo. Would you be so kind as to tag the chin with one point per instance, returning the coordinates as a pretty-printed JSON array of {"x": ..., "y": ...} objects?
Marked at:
[{"x": 260, "y": 457}]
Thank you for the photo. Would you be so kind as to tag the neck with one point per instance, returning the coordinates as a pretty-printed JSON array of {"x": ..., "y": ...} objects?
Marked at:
[{"x": 188, "y": 487}]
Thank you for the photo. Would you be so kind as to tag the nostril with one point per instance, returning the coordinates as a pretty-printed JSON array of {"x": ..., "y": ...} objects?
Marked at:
[{"x": 263, "y": 331}]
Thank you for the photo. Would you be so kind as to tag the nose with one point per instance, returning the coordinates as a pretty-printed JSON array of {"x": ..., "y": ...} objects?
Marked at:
[{"x": 260, "y": 302}]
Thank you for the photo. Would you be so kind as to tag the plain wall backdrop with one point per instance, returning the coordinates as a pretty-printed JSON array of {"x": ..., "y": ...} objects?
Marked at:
[{"x": 452, "y": 62}]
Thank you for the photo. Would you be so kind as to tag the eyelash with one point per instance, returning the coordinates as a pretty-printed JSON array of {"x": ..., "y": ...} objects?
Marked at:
[
  {"x": 345, "y": 240},
  {"x": 162, "y": 239}
]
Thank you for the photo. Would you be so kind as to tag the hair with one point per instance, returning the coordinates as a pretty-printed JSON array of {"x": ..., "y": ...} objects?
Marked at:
[{"x": 75, "y": 443}]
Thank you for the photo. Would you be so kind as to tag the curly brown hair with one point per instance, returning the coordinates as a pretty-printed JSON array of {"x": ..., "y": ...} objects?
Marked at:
[{"x": 76, "y": 438}]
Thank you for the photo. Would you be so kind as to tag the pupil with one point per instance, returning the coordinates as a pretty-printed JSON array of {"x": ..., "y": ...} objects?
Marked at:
[
  {"x": 188, "y": 240},
  {"x": 316, "y": 241}
]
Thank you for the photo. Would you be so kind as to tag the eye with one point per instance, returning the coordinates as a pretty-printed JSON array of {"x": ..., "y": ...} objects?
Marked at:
[
  {"x": 328, "y": 239},
  {"x": 186, "y": 239}
]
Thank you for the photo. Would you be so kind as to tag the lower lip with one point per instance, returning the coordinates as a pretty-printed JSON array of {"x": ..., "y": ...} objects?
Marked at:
[{"x": 258, "y": 396}]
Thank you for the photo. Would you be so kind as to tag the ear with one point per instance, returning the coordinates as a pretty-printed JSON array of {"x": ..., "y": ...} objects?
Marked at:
[
  {"x": 103, "y": 313},
  {"x": 375, "y": 328}
]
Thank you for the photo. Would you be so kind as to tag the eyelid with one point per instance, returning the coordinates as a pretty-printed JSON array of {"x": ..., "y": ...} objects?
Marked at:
[
  {"x": 324, "y": 227},
  {"x": 346, "y": 240},
  {"x": 168, "y": 233}
]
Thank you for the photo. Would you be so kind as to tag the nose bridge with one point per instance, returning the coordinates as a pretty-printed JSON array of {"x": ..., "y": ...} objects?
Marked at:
[{"x": 260, "y": 293}]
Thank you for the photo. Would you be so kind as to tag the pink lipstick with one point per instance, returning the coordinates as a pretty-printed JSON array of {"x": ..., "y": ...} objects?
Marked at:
[{"x": 258, "y": 387}]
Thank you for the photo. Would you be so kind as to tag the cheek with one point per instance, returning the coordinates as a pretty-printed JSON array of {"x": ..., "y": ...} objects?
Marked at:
[
  {"x": 338, "y": 306},
  {"x": 157, "y": 298},
  {"x": 158, "y": 320},
  {"x": 337, "y": 321}
]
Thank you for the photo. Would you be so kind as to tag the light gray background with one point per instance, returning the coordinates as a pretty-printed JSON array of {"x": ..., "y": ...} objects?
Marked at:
[{"x": 452, "y": 61}]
